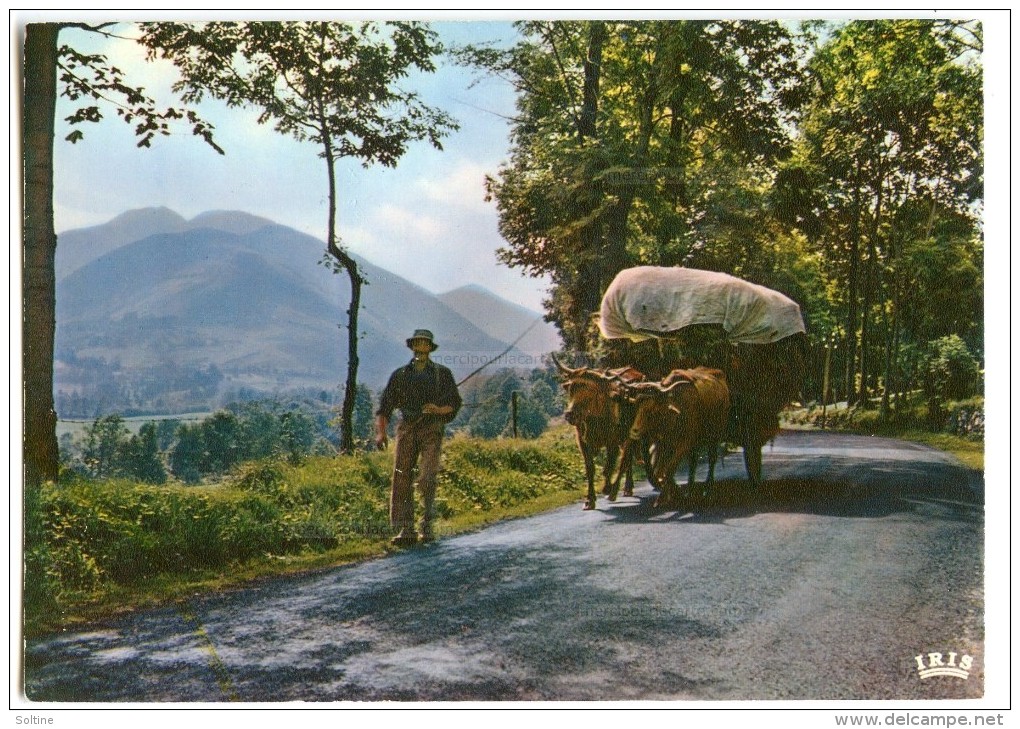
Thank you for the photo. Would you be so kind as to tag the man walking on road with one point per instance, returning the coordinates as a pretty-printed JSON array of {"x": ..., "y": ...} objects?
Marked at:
[{"x": 427, "y": 396}]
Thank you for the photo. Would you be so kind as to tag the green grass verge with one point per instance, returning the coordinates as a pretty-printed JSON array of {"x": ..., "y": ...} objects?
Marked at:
[
  {"x": 969, "y": 451},
  {"x": 908, "y": 423},
  {"x": 94, "y": 549}
]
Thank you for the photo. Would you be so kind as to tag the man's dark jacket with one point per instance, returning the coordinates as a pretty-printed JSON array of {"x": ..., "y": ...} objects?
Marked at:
[{"x": 409, "y": 390}]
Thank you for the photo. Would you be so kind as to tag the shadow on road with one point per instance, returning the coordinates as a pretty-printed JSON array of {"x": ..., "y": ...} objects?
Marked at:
[
  {"x": 854, "y": 481},
  {"x": 422, "y": 626}
]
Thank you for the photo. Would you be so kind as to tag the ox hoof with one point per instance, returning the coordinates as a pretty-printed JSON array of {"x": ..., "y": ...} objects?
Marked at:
[
  {"x": 628, "y": 492},
  {"x": 589, "y": 506}
]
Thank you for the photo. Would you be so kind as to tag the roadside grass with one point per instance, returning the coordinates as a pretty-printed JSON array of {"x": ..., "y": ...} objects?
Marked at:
[
  {"x": 95, "y": 549},
  {"x": 910, "y": 423}
]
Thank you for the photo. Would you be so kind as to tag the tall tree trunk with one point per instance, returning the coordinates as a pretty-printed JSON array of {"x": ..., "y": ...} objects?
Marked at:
[
  {"x": 868, "y": 286},
  {"x": 585, "y": 285},
  {"x": 40, "y": 246},
  {"x": 350, "y": 266},
  {"x": 871, "y": 277},
  {"x": 849, "y": 384},
  {"x": 351, "y": 387},
  {"x": 889, "y": 321},
  {"x": 586, "y": 124},
  {"x": 891, "y": 354},
  {"x": 614, "y": 250}
]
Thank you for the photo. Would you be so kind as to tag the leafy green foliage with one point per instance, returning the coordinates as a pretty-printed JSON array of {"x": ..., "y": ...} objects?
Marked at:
[
  {"x": 839, "y": 163},
  {"x": 951, "y": 371},
  {"x": 331, "y": 83},
  {"x": 240, "y": 433},
  {"x": 488, "y": 408},
  {"x": 103, "y": 441},
  {"x": 887, "y": 170},
  {"x": 90, "y": 79},
  {"x": 141, "y": 458},
  {"x": 109, "y": 451},
  {"x": 630, "y": 136}
]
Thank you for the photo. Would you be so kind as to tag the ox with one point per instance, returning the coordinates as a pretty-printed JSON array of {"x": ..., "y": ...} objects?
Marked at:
[
  {"x": 684, "y": 414},
  {"x": 602, "y": 420}
]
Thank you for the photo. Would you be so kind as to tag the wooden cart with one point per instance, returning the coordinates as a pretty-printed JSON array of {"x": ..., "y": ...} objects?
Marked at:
[{"x": 657, "y": 319}]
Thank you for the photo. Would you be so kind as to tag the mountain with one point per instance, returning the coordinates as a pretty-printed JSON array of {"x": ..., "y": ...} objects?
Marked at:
[
  {"x": 75, "y": 248},
  {"x": 504, "y": 320},
  {"x": 225, "y": 302}
]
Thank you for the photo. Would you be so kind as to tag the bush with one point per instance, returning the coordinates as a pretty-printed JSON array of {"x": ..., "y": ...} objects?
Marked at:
[
  {"x": 482, "y": 474},
  {"x": 950, "y": 373}
]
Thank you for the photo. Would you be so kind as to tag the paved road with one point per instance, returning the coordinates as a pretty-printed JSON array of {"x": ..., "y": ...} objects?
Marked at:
[{"x": 865, "y": 554}]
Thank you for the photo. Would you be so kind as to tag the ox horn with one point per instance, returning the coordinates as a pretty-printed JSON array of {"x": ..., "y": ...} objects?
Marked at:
[
  {"x": 560, "y": 366},
  {"x": 674, "y": 385},
  {"x": 656, "y": 388}
]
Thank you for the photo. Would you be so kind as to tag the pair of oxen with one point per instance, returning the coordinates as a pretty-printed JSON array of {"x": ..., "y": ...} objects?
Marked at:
[
  {"x": 732, "y": 392},
  {"x": 682, "y": 416}
]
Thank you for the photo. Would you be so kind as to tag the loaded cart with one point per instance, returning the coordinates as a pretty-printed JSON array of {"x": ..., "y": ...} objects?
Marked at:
[{"x": 657, "y": 319}]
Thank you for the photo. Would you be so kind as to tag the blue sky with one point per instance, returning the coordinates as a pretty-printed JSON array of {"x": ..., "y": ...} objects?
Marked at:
[{"x": 426, "y": 220}]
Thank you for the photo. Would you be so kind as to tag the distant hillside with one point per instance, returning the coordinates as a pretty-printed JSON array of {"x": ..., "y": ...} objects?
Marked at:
[
  {"x": 77, "y": 247},
  {"x": 504, "y": 320},
  {"x": 228, "y": 302}
]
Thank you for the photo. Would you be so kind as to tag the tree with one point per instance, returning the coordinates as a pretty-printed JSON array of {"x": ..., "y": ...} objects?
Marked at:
[
  {"x": 889, "y": 155},
  {"x": 139, "y": 457},
  {"x": 297, "y": 433},
  {"x": 188, "y": 453},
  {"x": 166, "y": 430},
  {"x": 104, "y": 442},
  {"x": 88, "y": 79},
  {"x": 491, "y": 416},
  {"x": 627, "y": 134},
  {"x": 951, "y": 373},
  {"x": 221, "y": 438},
  {"x": 364, "y": 415},
  {"x": 41, "y": 57},
  {"x": 330, "y": 83}
]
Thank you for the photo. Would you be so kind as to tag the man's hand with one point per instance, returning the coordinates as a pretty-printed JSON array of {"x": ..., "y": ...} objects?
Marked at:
[{"x": 382, "y": 424}]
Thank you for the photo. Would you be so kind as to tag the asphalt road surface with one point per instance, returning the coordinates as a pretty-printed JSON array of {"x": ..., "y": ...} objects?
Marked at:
[{"x": 861, "y": 558}]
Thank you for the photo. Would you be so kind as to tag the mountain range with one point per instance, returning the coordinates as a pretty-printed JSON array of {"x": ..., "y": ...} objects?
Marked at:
[{"x": 149, "y": 304}]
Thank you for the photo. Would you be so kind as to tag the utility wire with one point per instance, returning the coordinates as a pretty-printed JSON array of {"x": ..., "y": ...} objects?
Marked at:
[{"x": 497, "y": 357}]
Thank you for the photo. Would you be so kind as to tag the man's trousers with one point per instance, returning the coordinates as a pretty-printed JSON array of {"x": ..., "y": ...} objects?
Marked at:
[{"x": 419, "y": 443}]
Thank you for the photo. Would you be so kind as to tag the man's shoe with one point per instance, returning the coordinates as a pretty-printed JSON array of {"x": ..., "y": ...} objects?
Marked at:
[{"x": 404, "y": 540}]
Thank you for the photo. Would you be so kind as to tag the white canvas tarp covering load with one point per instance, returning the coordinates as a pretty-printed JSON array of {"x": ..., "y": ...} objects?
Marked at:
[{"x": 651, "y": 301}]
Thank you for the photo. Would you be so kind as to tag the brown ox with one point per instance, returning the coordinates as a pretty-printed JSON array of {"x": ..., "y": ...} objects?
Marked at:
[
  {"x": 684, "y": 414},
  {"x": 602, "y": 420}
]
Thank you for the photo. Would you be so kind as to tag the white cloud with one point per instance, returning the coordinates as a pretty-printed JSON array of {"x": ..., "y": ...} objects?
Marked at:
[
  {"x": 401, "y": 223},
  {"x": 463, "y": 187}
]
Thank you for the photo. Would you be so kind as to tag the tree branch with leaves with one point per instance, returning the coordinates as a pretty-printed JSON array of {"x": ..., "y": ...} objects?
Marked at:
[{"x": 334, "y": 84}]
